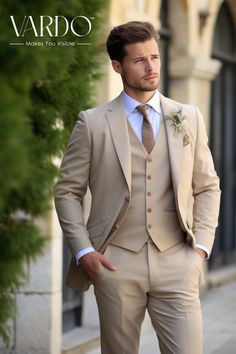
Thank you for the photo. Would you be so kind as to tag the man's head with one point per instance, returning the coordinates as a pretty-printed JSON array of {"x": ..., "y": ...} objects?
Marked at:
[
  {"x": 129, "y": 33},
  {"x": 134, "y": 52}
]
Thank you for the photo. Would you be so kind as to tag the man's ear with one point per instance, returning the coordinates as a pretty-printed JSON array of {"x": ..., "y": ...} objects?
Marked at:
[{"x": 116, "y": 66}]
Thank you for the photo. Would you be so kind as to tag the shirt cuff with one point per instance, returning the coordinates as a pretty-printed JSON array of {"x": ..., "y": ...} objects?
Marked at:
[
  {"x": 83, "y": 252},
  {"x": 199, "y": 245}
]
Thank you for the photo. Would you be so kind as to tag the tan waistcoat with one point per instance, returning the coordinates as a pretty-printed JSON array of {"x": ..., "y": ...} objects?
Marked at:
[{"x": 152, "y": 212}]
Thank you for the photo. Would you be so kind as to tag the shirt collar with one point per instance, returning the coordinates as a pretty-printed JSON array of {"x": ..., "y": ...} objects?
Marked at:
[{"x": 130, "y": 103}]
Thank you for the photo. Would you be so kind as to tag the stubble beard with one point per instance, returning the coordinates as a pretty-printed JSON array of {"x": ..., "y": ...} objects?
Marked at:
[
  {"x": 142, "y": 86},
  {"x": 148, "y": 87}
]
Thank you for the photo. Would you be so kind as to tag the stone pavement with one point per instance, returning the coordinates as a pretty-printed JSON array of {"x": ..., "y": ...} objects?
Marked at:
[
  {"x": 219, "y": 319},
  {"x": 219, "y": 315}
]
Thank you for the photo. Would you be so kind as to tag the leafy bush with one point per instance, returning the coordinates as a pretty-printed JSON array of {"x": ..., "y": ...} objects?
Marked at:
[{"x": 42, "y": 90}]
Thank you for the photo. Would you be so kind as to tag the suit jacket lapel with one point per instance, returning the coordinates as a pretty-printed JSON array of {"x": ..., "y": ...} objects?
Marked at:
[
  {"x": 119, "y": 130},
  {"x": 175, "y": 141}
]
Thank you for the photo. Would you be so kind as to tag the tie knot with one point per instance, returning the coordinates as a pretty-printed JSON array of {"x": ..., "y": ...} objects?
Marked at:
[{"x": 142, "y": 108}]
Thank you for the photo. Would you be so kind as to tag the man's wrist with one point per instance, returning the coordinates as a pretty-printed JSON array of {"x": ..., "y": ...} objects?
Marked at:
[
  {"x": 199, "y": 246},
  {"x": 82, "y": 253},
  {"x": 202, "y": 253}
]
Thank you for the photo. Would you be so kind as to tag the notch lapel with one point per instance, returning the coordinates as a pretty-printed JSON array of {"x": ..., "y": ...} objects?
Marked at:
[
  {"x": 119, "y": 131},
  {"x": 175, "y": 141}
]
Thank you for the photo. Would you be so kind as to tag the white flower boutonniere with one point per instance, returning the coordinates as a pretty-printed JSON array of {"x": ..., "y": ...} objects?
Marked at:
[{"x": 177, "y": 120}]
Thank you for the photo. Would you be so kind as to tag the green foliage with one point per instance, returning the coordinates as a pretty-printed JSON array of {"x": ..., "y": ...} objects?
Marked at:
[{"x": 42, "y": 90}]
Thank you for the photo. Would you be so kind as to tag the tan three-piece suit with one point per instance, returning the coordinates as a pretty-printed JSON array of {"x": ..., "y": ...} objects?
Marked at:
[{"x": 148, "y": 211}]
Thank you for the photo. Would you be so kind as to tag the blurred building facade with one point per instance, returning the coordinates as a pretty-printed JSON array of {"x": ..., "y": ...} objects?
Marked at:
[{"x": 198, "y": 49}]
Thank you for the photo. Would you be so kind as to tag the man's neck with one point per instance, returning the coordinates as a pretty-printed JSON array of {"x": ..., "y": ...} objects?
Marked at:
[{"x": 140, "y": 96}]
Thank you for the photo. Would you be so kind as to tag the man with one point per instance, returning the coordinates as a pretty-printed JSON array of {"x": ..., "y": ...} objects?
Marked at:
[{"x": 155, "y": 202}]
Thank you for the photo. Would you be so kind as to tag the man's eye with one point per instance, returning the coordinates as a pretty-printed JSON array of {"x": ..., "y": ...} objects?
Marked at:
[{"x": 138, "y": 60}]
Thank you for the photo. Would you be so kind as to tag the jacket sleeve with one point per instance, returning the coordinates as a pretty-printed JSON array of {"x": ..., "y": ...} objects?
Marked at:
[
  {"x": 72, "y": 186},
  {"x": 206, "y": 191}
]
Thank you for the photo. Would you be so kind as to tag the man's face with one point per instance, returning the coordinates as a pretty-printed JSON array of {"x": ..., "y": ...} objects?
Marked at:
[{"x": 140, "y": 68}]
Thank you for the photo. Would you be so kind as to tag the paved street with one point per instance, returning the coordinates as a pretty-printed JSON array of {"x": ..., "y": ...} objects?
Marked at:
[{"x": 219, "y": 315}]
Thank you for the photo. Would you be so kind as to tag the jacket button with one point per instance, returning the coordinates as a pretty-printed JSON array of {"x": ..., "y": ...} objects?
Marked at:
[
  {"x": 149, "y": 210},
  {"x": 149, "y": 177},
  {"x": 149, "y": 159},
  {"x": 149, "y": 194},
  {"x": 149, "y": 226}
]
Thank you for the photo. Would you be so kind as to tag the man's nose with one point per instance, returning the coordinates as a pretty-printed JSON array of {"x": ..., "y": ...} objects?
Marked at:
[{"x": 149, "y": 65}]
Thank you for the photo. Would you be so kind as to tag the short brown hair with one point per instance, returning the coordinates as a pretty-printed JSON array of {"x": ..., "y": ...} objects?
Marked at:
[{"x": 130, "y": 32}]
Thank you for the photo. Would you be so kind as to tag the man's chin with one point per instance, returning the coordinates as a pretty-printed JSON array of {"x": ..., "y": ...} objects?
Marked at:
[{"x": 150, "y": 88}]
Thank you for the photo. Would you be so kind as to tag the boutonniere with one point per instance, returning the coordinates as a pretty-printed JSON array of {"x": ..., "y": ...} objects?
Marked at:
[{"x": 177, "y": 119}]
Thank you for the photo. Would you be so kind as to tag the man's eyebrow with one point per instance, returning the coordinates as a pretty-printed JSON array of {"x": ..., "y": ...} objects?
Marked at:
[
  {"x": 143, "y": 56},
  {"x": 139, "y": 57}
]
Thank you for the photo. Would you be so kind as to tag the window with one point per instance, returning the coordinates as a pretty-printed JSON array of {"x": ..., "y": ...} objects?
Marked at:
[
  {"x": 164, "y": 47},
  {"x": 223, "y": 135}
]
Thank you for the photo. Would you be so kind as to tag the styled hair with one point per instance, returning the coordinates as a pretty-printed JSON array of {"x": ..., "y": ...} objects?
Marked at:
[{"x": 128, "y": 33}]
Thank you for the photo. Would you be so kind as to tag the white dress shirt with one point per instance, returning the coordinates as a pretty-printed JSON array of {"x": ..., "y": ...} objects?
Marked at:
[{"x": 135, "y": 119}]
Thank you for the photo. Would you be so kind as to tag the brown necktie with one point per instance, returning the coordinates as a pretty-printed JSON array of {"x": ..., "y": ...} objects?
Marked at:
[{"x": 147, "y": 131}]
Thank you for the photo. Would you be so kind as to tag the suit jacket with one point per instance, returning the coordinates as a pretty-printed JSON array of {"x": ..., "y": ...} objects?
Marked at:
[{"x": 98, "y": 155}]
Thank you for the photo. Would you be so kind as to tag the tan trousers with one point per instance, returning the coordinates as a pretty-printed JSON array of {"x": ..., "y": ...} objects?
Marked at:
[{"x": 166, "y": 284}]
